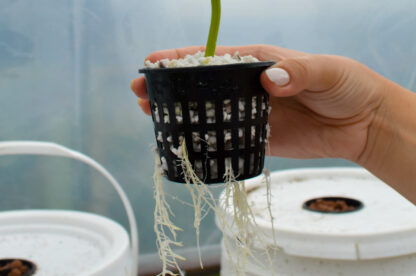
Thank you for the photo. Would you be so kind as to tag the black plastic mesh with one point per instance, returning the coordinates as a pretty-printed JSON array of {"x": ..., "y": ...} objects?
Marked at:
[{"x": 220, "y": 111}]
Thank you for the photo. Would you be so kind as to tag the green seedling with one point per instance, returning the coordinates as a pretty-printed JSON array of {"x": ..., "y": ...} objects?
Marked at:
[{"x": 214, "y": 28}]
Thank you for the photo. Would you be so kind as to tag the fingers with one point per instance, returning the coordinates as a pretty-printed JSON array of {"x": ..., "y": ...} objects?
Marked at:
[
  {"x": 262, "y": 52},
  {"x": 310, "y": 72},
  {"x": 138, "y": 86},
  {"x": 145, "y": 105}
]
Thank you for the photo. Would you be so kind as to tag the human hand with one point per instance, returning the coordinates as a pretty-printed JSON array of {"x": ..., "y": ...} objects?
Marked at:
[{"x": 322, "y": 106}]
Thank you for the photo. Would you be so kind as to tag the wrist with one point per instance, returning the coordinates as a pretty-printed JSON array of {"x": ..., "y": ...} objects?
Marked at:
[
  {"x": 383, "y": 129},
  {"x": 390, "y": 152}
]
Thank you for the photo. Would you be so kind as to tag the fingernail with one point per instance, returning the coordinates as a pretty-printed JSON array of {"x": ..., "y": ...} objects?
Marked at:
[
  {"x": 279, "y": 76},
  {"x": 139, "y": 101}
]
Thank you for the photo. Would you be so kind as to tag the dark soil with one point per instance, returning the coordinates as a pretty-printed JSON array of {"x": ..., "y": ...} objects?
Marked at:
[
  {"x": 14, "y": 268},
  {"x": 331, "y": 205}
]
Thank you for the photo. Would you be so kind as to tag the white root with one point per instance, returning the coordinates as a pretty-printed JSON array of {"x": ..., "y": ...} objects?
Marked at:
[
  {"x": 202, "y": 197},
  {"x": 164, "y": 228},
  {"x": 203, "y": 200}
]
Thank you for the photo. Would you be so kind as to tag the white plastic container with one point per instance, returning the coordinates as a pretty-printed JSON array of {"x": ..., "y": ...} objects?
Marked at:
[
  {"x": 378, "y": 239},
  {"x": 67, "y": 243}
]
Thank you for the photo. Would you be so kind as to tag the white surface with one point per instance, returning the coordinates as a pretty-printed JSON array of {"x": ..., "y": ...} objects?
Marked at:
[
  {"x": 384, "y": 211},
  {"x": 286, "y": 265},
  {"x": 385, "y": 227},
  {"x": 52, "y": 149},
  {"x": 378, "y": 240},
  {"x": 65, "y": 242}
]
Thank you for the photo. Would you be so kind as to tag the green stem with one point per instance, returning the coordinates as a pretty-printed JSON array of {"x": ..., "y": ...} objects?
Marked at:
[{"x": 214, "y": 28}]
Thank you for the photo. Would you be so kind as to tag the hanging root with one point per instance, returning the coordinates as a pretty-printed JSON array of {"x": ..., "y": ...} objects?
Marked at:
[
  {"x": 239, "y": 228},
  {"x": 202, "y": 197},
  {"x": 204, "y": 200},
  {"x": 267, "y": 182},
  {"x": 242, "y": 222},
  {"x": 164, "y": 228}
]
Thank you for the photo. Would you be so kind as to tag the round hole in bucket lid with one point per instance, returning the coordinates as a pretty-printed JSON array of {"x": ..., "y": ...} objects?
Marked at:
[
  {"x": 333, "y": 205},
  {"x": 16, "y": 267},
  {"x": 68, "y": 242}
]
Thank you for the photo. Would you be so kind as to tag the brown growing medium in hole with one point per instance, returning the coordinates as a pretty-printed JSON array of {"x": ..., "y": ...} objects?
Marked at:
[
  {"x": 13, "y": 268},
  {"x": 331, "y": 205}
]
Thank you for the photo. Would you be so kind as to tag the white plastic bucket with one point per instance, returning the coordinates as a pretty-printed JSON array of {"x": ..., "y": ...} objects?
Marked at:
[
  {"x": 378, "y": 239},
  {"x": 62, "y": 242}
]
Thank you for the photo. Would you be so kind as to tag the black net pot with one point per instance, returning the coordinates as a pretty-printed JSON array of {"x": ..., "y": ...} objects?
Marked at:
[{"x": 221, "y": 111}]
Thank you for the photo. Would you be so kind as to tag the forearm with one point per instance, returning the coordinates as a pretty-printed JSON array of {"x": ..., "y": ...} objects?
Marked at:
[{"x": 390, "y": 152}]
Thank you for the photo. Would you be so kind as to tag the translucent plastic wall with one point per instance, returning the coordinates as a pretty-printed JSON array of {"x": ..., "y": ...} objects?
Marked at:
[{"x": 66, "y": 67}]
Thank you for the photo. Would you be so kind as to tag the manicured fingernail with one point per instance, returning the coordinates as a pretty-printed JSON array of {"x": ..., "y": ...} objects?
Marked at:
[
  {"x": 139, "y": 101},
  {"x": 279, "y": 76}
]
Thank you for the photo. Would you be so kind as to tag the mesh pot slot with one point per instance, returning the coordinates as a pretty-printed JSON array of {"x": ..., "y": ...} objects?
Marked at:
[
  {"x": 220, "y": 111},
  {"x": 210, "y": 112}
]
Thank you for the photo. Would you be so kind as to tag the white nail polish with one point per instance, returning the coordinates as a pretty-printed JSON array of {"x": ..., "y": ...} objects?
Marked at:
[{"x": 279, "y": 76}]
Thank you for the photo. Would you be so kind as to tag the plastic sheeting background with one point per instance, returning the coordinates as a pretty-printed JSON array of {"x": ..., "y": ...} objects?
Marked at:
[{"x": 66, "y": 68}]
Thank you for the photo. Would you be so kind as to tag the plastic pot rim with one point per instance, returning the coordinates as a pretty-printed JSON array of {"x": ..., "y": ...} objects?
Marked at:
[{"x": 209, "y": 67}]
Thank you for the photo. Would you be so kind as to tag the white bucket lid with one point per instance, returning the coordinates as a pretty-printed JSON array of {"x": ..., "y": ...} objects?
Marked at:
[
  {"x": 68, "y": 242},
  {"x": 65, "y": 242},
  {"x": 384, "y": 227}
]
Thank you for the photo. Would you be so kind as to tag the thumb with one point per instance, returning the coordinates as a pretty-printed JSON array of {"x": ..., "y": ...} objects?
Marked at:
[{"x": 294, "y": 75}]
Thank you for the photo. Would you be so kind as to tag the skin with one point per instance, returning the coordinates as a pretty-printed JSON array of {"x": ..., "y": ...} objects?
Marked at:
[{"x": 332, "y": 107}]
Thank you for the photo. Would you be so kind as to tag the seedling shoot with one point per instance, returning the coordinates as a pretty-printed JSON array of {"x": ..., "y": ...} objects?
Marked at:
[{"x": 214, "y": 28}]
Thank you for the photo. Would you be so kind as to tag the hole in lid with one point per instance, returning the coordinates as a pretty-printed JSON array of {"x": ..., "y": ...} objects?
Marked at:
[
  {"x": 25, "y": 267},
  {"x": 333, "y": 205}
]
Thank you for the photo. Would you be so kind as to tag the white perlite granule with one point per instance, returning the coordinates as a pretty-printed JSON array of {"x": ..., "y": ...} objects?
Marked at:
[{"x": 199, "y": 59}]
